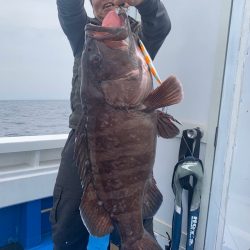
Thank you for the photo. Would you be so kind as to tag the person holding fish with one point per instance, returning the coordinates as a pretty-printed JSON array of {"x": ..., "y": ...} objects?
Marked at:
[{"x": 68, "y": 229}]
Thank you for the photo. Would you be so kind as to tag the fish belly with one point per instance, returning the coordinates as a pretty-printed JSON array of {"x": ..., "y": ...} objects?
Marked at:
[{"x": 122, "y": 152}]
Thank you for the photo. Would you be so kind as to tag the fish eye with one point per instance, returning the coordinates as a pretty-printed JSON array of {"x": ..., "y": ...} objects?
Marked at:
[{"x": 95, "y": 59}]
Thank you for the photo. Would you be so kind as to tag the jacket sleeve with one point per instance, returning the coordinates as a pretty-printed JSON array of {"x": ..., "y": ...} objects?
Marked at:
[
  {"x": 73, "y": 18},
  {"x": 155, "y": 25}
]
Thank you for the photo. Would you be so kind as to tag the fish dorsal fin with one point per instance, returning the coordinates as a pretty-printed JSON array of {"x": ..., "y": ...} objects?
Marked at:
[
  {"x": 81, "y": 152},
  {"x": 168, "y": 93},
  {"x": 165, "y": 126}
]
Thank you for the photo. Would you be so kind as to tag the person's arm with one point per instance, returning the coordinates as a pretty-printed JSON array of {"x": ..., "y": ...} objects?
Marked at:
[
  {"x": 73, "y": 18},
  {"x": 155, "y": 25}
]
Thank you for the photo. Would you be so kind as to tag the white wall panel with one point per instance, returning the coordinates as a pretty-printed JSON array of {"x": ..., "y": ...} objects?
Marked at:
[{"x": 195, "y": 52}]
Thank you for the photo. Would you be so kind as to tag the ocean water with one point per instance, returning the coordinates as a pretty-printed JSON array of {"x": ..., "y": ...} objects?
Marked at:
[{"x": 36, "y": 117}]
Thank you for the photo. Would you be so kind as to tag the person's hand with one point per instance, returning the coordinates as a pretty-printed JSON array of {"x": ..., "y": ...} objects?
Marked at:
[{"x": 127, "y": 3}]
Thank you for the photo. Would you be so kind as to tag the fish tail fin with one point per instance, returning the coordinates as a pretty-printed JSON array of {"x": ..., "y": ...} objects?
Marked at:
[
  {"x": 165, "y": 126},
  {"x": 168, "y": 93},
  {"x": 146, "y": 242}
]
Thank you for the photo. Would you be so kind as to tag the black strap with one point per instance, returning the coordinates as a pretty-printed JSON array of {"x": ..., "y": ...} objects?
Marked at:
[
  {"x": 190, "y": 146},
  {"x": 189, "y": 150},
  {"x": 196, "y": 151}
]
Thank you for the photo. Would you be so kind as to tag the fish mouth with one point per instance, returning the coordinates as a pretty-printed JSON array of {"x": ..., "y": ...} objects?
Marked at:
[{"x": 117, "y": 31}]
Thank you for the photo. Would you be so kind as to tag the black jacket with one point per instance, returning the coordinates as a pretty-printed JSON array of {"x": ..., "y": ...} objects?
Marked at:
[{"x": 155, "y": 26}]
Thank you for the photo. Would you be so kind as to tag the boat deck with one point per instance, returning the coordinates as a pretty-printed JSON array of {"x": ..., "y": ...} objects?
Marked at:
[{"x": 46, "y": 244}]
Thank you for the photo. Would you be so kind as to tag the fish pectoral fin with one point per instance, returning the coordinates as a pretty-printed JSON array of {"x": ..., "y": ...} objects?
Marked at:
[
  {"x": 165, "y": 126},
  {"x": 168, "y": 93},
  {"x": 95, "y": 217}
]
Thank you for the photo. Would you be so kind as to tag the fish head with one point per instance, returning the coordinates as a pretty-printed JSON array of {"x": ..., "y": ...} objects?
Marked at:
[
  {"x": 110, "y": 45},
  {"x": 114, "y": 68}
]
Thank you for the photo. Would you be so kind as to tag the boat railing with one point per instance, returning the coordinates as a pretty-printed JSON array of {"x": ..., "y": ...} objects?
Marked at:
[{"x": 28, "y": 167}]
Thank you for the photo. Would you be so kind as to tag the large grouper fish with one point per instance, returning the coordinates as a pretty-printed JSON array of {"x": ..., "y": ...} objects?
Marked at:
[{"x": 116, "y": 137}]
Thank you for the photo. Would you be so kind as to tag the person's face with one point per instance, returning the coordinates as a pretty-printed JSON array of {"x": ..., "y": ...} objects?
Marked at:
[{"x": 102, "y": 7}]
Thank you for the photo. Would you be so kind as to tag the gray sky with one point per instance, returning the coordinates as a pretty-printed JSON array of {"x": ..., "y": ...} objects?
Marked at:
[{"x": 35, "y": 56}]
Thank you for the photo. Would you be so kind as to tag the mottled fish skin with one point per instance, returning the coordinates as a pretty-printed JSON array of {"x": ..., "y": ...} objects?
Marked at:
[{"x": 116, "y": 139}]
